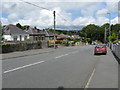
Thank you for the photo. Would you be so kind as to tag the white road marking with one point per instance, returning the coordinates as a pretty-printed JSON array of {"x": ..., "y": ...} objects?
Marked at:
[
  {"x": 88, "y": 83},
  {"x": 61, "y": 56},
  {"x": 23, "y": 67},
  {"x": 11, "y": 70}
]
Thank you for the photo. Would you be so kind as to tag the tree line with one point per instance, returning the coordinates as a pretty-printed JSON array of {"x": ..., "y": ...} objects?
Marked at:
[{"x": 95, "y": 32}]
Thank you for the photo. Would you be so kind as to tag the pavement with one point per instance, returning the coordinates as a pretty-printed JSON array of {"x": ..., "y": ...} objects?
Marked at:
[
  {"x": 68, "y": 67},
  {"x": 26, "y": 53}
]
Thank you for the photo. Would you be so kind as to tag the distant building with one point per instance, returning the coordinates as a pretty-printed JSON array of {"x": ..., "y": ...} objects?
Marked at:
[{"x": 13, "y": 33}]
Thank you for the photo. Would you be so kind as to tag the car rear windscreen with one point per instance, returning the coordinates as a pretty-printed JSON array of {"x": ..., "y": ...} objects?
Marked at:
[{"x": 100, "y": 47}]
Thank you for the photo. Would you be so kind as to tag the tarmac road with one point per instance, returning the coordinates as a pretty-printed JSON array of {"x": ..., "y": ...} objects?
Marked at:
[{"x": 70, "y": 67}]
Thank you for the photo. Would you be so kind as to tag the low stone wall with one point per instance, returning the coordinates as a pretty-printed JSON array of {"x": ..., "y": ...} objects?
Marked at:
[{"x": 23, "y": 46}]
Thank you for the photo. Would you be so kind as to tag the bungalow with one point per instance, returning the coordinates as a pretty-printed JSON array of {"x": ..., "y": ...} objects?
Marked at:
[
  {"x": 13, "y": 33},
  {"x": 36, "y": 34}
]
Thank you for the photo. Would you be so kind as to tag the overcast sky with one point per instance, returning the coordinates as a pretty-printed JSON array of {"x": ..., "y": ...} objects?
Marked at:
[{"x": 68, "y": 12}]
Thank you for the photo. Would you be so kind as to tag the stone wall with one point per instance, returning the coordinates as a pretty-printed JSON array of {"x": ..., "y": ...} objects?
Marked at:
[{"x": 23, "y": 46}]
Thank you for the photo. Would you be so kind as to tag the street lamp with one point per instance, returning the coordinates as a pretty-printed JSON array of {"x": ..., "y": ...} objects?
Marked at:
[
  {"x": 54, "y": 29},
  {"x": 109, "y": 26}
]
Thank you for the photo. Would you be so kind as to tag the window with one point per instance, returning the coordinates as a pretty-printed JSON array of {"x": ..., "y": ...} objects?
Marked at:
[
  {"x": 25, "y": 37},
  {"x": 15, "y": 38}
]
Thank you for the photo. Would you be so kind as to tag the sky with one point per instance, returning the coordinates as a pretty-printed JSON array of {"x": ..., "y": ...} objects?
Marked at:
[{"x": 69, "y": 13}]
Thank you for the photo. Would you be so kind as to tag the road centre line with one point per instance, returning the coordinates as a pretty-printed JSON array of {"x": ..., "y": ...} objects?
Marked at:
[
  {"x": 88, "y": 83},
  {"x": 18, "y": 68},
  {"x": 61, "y": 56},
  {"x": 67, "y": 54},
  {"x": 23, "y": 67}
]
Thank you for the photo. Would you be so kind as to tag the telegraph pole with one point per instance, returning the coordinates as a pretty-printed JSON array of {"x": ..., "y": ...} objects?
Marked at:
[
  {"x": 105, "y": 36},
  {"x": 54, "y": 29},
  {"x": 109, "y": 27}
]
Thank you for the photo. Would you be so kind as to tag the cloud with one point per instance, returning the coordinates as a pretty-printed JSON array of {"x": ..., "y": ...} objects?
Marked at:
[
  {"x": 63, "y": 0},
  {"x": 4, "y": 21},
  {"x": 20, "y": 12},
  {"x": 84, "y": 21},
  {"x": 115, "y": 20},
  {"x": 112, "y": 6},
  {"x": 12, "y": 17},
  {"x": 101, "y": 13}
]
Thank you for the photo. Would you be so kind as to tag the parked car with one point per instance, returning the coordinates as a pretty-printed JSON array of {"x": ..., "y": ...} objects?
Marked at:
[{"x": 100, "y": 49}]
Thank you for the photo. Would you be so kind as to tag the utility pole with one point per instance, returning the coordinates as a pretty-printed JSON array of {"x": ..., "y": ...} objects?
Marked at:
[
  {"x": 105, "y": 35},
  {"x": 54, "y": 29},
  {"x": 109, "y": 27}
]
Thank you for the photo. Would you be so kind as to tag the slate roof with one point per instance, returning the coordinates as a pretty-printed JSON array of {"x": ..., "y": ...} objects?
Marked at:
[
  {"x": 34, "y": 31},
  {"x": 12, "y": 29},
  {"x": 48, "y": 33}
]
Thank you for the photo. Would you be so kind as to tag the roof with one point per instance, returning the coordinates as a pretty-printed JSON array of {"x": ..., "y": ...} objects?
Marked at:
[
  {"x": 12, "y": 29},
  {"x": 62, "y": 36},
  {"x": 48, "y": 33},
  {"x": 34, "y": 31}
]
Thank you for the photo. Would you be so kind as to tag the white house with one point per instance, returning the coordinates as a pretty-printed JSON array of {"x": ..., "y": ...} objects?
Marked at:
[{"x": 13, "y": 33}]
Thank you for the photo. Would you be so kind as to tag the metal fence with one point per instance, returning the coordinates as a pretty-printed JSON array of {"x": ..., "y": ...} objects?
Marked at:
[{"x": 116, "y": 49}]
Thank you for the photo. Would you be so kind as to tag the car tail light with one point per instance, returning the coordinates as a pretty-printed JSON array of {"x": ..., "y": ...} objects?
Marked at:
[
  {"x": 104, "y": 48},
  {"x": 95, "y": 49}
]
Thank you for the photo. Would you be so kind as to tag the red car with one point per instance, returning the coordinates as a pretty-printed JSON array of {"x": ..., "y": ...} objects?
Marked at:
[{"x": 100, "y": 49}]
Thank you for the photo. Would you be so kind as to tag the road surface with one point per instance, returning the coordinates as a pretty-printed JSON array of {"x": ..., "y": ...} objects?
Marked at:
[{"x": 69, "y": 67}]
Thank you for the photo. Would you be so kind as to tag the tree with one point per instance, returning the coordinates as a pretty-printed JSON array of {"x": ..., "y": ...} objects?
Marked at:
[
  {"x": 113, "y": 37},
  {"x": 19, "y": 25},
  {"x": 1, "y": 33},
  {"x": 91, "y": 31},
  {"x": 115, "y": 28},
  {"x": 25, "y": 27}
]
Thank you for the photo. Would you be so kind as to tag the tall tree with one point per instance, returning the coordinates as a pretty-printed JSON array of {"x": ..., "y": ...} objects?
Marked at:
[{"x": 91, "y": 31}]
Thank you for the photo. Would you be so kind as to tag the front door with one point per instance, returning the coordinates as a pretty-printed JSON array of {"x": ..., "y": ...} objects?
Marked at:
[{"x": 20, "y": 37}]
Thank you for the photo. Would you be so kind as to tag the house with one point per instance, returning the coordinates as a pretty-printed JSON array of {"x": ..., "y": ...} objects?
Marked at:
[
  {"x": 49, "y": 35},
  {"x": 36, "y": 34},
  {"x": 62, "y": 36},
  {"x": 13, "y": 33},
  {"x": 75, "y": 37}
]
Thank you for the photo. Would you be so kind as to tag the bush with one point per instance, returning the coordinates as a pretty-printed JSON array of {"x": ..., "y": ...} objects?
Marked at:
[
  {"x": 28, "y": 40},
  {"x": 4, "y": 43}
]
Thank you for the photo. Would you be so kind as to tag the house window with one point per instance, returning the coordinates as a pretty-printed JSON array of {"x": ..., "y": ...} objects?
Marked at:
[
  {"x": 15, "y": 38},
  {"x": 42, "y": 38},
  {"x": 36, "y": 38},
  {"x": 25, "y": 37},
  {"x": 39, "y": 38}
]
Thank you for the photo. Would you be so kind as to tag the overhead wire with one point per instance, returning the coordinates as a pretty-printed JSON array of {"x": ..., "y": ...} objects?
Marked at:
[{"x": 50, "y": 10}]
